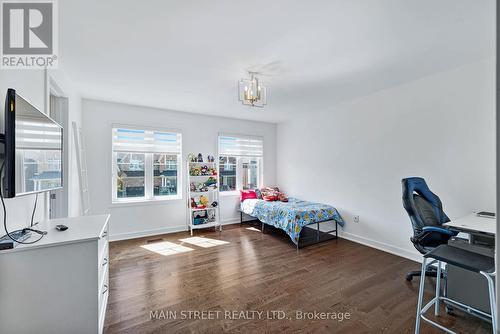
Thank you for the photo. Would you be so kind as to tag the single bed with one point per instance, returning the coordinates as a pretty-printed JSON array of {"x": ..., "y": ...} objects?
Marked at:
[{"x": 293, "y": 216}]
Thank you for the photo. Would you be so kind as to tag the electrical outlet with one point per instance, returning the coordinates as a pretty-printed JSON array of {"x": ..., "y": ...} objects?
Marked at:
[{"x": 355, "y": 219}]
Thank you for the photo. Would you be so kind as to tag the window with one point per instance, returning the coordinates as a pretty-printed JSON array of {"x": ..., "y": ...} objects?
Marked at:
[
  {"x": 146, "y": 165},
  {"x": 227, "y": 173},
  {"x": 240, "y": 162},
  {"x": 165, "y": 174}
]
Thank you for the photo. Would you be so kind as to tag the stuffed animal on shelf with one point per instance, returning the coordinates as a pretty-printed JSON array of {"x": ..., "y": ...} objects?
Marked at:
[
  {"x": 204, "y": 170},
  {"x": 212, "y": 171},
  {"x": 193, "y": 203},
  {"x": 211, "y": 181},
  {"x": 197, "y": 203},
  {"x": 204, "y": 200},
  {"x": 195, "y": 171},
  {"x": 201, "y": 187}
]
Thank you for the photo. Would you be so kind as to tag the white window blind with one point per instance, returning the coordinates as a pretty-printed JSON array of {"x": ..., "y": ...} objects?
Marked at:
[
  {"x": 240, "y": 146},
  {"x": 147, "y": 141},
  {"x": 35, "y": 135}
]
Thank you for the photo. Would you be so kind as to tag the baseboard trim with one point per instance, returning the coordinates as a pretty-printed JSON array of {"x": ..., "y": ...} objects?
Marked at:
[
  {"x": 381, "y": 246},
  {"x": 165, "y": 230},
  {"x": 230, "y": 221}
]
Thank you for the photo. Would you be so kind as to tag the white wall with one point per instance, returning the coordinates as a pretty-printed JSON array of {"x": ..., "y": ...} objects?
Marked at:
[
  {"x": 354, "y": 155},
  {"x": 199, "y": 134}
]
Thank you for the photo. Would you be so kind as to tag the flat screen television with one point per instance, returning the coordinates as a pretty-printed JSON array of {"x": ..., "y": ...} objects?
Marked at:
[{"x": 32, "y": 150}]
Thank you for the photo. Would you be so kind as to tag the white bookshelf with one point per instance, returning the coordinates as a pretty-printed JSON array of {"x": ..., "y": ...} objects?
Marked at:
[{"x": 203, "y": 186}]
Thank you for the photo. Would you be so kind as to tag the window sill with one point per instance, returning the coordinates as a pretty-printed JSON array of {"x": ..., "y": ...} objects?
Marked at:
[
  {"x": 229, "y": 193},
  {"x": 143, "y": 202}
]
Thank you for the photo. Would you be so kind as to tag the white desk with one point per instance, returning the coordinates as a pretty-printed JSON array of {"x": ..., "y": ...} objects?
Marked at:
[{"x": 474, "y": 224}]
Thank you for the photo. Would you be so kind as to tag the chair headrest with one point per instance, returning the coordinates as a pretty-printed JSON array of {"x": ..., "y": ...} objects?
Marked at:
[{"x": 418, "y": 185}]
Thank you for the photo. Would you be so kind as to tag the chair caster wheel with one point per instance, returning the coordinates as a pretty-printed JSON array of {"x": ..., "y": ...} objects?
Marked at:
[
  {"x": 409, "y": 278},
  {"x": 449, "y": 310}
]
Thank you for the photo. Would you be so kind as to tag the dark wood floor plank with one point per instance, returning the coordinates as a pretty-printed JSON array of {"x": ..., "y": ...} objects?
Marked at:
[{"x": 257, "y": 271}]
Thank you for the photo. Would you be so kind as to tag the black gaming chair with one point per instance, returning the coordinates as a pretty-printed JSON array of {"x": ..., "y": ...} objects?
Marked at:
[{"x": 427, "y": 217}]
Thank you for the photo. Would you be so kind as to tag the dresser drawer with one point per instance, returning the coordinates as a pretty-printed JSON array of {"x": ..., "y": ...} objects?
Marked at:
[
  {"x": 102, "y": 243},
  {"x": 103, "y": 264},
  {"x": 103, "y": 291}
]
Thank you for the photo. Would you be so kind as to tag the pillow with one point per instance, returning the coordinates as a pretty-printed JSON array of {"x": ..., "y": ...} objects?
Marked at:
[
  {"x": 247, "y": 194},
  {"x": 258, "y": 193},
  {"x": 266, "y": 191},
  {"x": 282, "y": 197},
  {"x": 270, "y": 198},
  {"x": 273, "y": 194}
]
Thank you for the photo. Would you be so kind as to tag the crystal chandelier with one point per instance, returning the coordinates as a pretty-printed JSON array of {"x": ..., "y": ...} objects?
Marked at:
[{"x": 251, "y": 92}]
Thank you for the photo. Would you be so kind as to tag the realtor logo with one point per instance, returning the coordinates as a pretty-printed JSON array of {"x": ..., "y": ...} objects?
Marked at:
[{"x": 29, "y": 34}]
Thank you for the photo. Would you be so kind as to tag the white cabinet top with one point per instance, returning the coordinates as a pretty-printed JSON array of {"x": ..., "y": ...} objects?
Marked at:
[{"x": 80, "y": 229}]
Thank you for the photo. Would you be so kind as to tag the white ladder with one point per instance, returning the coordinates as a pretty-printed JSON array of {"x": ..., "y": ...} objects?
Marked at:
[{"x": 81, "y": 161}]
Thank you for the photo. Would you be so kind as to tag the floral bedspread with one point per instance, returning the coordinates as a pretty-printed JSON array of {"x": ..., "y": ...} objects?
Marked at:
[{"x": 290, "y": 216}]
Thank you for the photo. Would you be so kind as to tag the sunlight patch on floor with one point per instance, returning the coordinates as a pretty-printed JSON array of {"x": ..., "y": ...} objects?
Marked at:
[
  {"x": 204, "y": 242},
  {"x": 253, "y": 229},
  {"x": 166, "y": 248}
]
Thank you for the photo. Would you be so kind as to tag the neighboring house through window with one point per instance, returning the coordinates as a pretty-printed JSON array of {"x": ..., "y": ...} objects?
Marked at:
[{"x": 146, "y": 164}]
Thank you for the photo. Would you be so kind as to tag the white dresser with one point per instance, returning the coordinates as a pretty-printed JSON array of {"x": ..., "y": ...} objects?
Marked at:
[{"x": 59, "y": 284}]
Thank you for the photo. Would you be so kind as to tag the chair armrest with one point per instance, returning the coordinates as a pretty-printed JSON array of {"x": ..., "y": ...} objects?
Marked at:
[
  {"x": 438, "y": 229},
  {"x": 427, "y": 233}
]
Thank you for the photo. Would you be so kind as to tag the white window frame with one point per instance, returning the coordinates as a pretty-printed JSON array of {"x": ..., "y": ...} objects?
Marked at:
[
  {"x": 148, "y": 170},
  {"x": 239, "y": 165}
]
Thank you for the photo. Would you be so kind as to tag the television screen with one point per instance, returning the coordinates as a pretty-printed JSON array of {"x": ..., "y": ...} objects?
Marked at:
[{"x": 33, "y": 149}]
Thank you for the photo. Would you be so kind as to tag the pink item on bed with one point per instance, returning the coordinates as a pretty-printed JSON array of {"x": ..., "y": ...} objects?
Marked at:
[{"x": 247, "y": 194}]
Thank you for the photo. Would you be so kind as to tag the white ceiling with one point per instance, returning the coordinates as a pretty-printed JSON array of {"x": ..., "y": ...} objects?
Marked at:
[{"x": 189, "y": 55}]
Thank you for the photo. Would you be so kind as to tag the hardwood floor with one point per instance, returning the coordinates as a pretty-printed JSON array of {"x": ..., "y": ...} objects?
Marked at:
[{"x": 251, "y": 271}]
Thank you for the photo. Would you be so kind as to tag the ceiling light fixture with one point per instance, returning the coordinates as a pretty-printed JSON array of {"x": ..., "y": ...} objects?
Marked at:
[{"x": 251, "y": 92}]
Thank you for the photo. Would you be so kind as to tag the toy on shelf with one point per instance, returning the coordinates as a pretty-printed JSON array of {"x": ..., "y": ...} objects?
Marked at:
[
  {"x": 209, "y": 185},
  {"x": 203, "y": 170},
  {"x": 204, "y": 200},
  {"x": 210, "y": 216},
  {"x": 200, "y": 157},
  {"x": 195, "y": 171},
  {"x": 201, "y": 217},
  {"x": 197, "y": 202},
  {"x": 212, "y": 181},
  {"x": 210, "y": 158}
]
